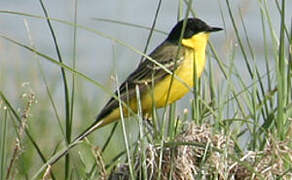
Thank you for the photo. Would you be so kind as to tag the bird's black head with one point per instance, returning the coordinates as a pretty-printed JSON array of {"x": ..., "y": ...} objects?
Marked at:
[{"x": 193, "y": 26}]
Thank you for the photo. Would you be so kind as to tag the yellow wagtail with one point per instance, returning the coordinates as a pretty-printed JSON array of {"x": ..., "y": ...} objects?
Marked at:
[{"x": 153, "y": 80}]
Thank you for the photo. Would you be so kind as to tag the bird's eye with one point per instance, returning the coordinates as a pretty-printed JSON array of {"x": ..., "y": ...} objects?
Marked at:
[{"x": 188, "y": 33}]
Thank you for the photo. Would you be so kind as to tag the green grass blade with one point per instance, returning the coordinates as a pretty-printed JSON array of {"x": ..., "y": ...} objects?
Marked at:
[
  {"x": 281, "y": 13},
  {"x": 281, "y": 73},
  {"x": 239, "y": 39},
  {"x": 68, "y": 124},
  {"x": 129, "y": 25},
  {"x": 125, "y": 135},
  {"x": 152, "y": 29},
  {"x": 74, "y": 62},
  {"x": 3, "y": 143},
  {"x": 142, "y": 144}
]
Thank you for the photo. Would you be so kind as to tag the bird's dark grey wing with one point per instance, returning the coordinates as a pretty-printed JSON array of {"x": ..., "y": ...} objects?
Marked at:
[{"x": 145, "y": 73}]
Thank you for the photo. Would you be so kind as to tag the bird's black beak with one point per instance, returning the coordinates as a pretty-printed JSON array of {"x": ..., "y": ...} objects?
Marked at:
[{"x": 214, "y": 29}]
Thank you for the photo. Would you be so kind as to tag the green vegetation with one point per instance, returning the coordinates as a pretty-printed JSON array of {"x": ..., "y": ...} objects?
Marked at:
[{"x": 238, "y": 123}]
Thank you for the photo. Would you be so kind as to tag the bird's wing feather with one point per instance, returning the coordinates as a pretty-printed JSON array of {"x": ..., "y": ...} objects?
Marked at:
[{"x": 145, "y": 73}]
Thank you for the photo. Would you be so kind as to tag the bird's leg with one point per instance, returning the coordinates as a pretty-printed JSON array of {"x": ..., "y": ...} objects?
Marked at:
[{"x": 147, "y": 119}]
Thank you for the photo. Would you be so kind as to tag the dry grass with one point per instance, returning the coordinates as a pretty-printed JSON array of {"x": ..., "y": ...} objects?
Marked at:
[
  {"x": 270, "y": 163},
  {"x": 216, "y": 159},
  {"x": 30, "y": 99}
]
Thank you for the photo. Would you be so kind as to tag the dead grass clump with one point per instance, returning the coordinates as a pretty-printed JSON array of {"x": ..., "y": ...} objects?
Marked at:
[
  {"x": 199, "y": 153},
  {"x": 271, "y": 163},
  {"x": 190, "y": 156}
]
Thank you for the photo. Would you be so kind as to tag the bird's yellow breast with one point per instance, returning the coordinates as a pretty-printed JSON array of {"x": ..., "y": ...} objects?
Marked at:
[{"x": 195, "y": 48}]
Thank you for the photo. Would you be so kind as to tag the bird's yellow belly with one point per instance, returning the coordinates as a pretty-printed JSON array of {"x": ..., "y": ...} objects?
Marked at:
[
  {"x": 163, "y": 91},
  {"x": 163, "y": 94}
]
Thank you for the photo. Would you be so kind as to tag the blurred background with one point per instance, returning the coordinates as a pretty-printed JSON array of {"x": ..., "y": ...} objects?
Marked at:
[{"x": 101, "y": 58}]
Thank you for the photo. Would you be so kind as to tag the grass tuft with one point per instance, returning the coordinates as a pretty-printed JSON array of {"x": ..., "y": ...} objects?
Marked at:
[{"x": 236, "y": 123}]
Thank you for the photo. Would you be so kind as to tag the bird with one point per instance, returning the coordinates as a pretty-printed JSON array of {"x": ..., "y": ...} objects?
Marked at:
[{"x": 164, "y": 77}]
